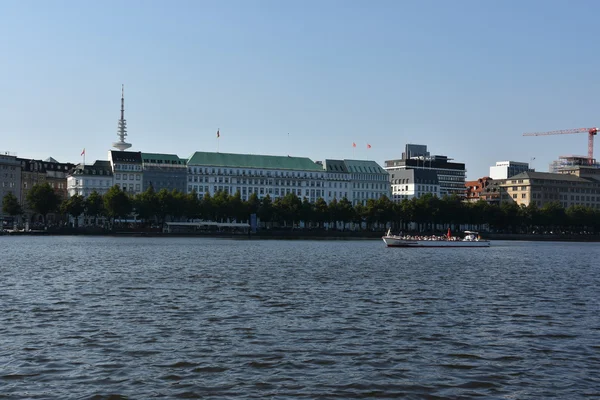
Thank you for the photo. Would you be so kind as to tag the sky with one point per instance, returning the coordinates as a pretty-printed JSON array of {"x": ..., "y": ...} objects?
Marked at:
[{"x": 302, "y": 78}]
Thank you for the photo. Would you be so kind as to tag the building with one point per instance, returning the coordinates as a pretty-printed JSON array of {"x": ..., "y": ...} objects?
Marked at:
[
  {"x": 369, "y": 181},
  {"x": 50, "y": 171},
  {"x": 474, "y": 189},
  {"x": 338, "y": 180},
  {"x": 506, "y": 169},
  {"x": 164, "y": 171},
  {"x": 85, "y": 179},
  {"x": 491, "y": 191},
  {"x": 450, "y": 175},
  {"x": 10, "y": 178},
  {"x": 572, "y": 165},
  {"x": 127, "y": 170},
  {"x": 410, "y": 183},
  {"x": 416, "y": 151},
  {"x": 250, "y": 173},
  {"x": 544, "y": 187}
]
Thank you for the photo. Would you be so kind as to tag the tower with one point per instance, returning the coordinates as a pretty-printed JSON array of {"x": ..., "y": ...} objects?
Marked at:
[{"x": 122, "y": 127}]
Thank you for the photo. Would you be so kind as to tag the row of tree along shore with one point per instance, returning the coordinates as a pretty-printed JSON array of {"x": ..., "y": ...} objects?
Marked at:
[{"x": 425, "y": 214}]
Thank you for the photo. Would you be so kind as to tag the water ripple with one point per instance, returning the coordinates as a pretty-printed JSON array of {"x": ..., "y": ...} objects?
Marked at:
[{"x": 118, "y": 318}]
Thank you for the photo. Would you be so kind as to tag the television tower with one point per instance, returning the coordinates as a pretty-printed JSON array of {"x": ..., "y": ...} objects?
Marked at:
[{"x": 122, "y": 127}]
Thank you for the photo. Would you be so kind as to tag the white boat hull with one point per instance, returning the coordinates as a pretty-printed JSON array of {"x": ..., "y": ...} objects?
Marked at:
[{"x": 395, "y": 241}]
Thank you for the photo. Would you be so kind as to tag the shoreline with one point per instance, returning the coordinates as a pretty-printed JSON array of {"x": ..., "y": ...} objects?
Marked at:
[{"x": 300, "y": 235}]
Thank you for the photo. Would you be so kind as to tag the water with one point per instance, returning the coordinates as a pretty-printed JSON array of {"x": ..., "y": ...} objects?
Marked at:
[{"x": 94, "y": 318}]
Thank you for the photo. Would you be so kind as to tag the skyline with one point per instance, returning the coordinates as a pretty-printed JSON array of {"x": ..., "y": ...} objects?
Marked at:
[{"x": 308, "y": 80}]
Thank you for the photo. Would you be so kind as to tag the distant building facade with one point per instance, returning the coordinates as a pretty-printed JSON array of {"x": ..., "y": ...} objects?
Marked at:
[
  {"x": 10, "y": 178},
  {"x": 572, "y": 164},
  {"x": 164, "y": 171},
  {"x": 338, "y": 181},
  {"x": 491, "y": 192},
  {"x": 263, "y": 175},
  {"x": 450, "y": 175},
  {"x": 127, "y": 170},
  {"x": 544, "y": 187},
  {"x": 85, "y": 179},
  {"x": 369, "y": 181},
  {"x": 474, "y": 189},
  {"x": 506, "y": 169},
  {"x": 50, "y": 171},
  {"x": 410, "y": 183}
]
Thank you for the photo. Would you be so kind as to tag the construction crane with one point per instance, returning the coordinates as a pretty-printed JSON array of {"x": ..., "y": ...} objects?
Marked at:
[{"x": 591, "y": 133}]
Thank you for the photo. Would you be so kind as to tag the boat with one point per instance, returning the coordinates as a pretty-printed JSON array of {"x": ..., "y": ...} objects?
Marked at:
[{"x": 471, "y": 239}]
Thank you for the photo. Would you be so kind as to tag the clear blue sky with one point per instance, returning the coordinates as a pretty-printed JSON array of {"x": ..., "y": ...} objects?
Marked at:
[{"x": 467, "y": 78}]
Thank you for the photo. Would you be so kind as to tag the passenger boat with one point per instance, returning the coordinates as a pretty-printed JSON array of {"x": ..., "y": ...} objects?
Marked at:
[{"x": 471, "y": 239}]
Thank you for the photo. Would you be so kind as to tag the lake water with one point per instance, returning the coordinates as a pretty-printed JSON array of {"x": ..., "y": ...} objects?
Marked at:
[{"x": 104, "y": 317}]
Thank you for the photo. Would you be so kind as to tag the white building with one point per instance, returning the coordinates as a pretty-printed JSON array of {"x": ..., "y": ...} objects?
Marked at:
[
  {"x": 506, "y": 169},
  {"x": 369, "y": 181},
  {"x": 411, "y": 183},
  {"x": 250, "y": 173},
  {"x": 338, "y": 181},
  {"x": 127, "y": 170},
  {"x": 84, "y": 180}
]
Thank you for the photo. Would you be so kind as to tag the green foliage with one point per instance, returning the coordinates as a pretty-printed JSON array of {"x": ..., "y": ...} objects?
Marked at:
[
  {"x": 74, "y": 206},
  {"x": 117, "y": 203},
  {"x": 145, "y": 204},
  {"x": 42, "y": 199},
  {"x": 10, "y": 205},
  {"x": 94, "y": 205},
  {"x": 429, "y": 212}
]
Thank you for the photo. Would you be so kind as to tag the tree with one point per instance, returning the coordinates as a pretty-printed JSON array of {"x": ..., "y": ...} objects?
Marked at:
[
  {"x": 208, "y": 210},
  {"x": 74, "y": 206},
  {"x": 42, "y": 199},
  {"x": 552, "y": 215},
  {"x": 291, "y": 207},
  {"x": 333, "y": 212},
  {"x": 321, "y": 212},
  {"x": 264, "y": 210},
  {"x": 254, "y": 203},
  {"x": 193, "y": 206},
  {"x": 345, "y": 211},
  {"x": 94, "y": 206},
  {"x": 117, "y": 203},
  {"x": 220, "y": 202},
  {"x": 178, "y": 204},
  {"x": 307, "y": 213},
  {"x": 237, "y": 210},
  {"x": 145, "y": 204},
  {"x": 359, "y": 214},
  {"x": 10, "y": 205}
]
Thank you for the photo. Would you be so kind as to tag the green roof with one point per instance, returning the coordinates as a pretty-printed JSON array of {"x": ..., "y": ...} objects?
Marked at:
[
  {"x": 253, "y": 161},
  {"x": 157, "y": 158},
  {"x": 364, "y": 167}
]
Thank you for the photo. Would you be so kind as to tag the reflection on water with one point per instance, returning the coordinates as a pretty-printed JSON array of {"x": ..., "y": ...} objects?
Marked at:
[{"x": 214, "y": 318}]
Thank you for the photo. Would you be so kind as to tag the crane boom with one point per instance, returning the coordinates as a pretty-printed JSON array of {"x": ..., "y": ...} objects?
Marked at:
[{"x": 591, "y": 133}]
